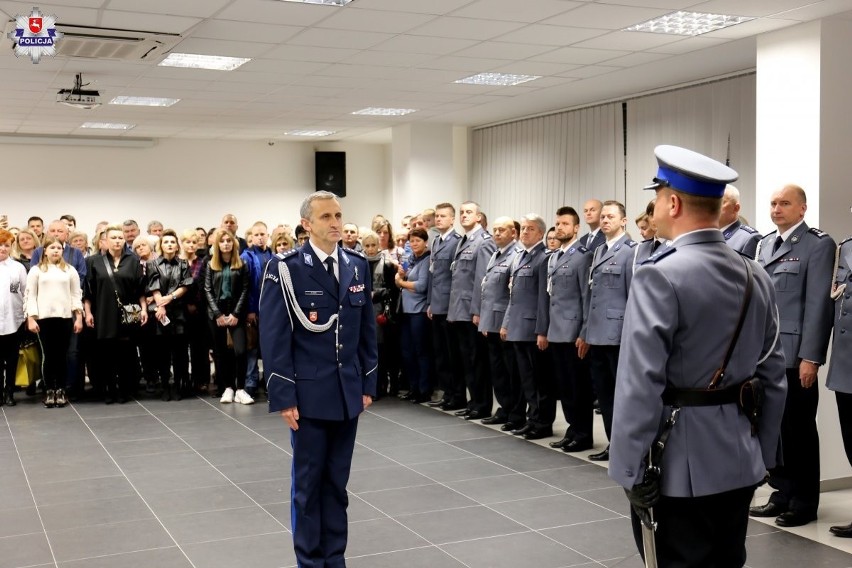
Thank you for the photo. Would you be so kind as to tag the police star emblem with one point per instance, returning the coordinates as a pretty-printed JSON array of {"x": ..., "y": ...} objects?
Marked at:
[{"x": 35, "y": 35}]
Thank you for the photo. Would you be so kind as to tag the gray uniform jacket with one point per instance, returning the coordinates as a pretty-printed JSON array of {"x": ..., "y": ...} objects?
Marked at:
[
  {"x": 567, "y": 286},
  {"x": 683, "y": 310},
  {"x": 609, "y": 283},
  {"x": 494, "y": 298},
  {"x": 742, "y": 239},
  {"x": 468, "y": 268},
  {"x": 645, "y": 250},
  {"x": 438, "y": 297},
  {"x": 801, "y": 272},
  {"x": 840, "y": 370},
  {"x": 526, "y": 314}
]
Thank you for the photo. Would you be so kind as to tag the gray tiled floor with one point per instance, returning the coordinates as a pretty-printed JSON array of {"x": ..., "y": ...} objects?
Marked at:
[{"x": 199, "y": 484}]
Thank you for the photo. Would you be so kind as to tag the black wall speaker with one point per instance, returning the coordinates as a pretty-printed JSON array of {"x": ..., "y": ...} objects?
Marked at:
[{"x": 331, "y": 172}]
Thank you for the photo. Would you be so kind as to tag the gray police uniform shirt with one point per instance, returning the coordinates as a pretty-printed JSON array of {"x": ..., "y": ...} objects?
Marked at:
[
  {"x": 609, "y": 283},
  {"x": 494, "y": 298},
  {"x": 644, "y": 250},
  {"x": 683, "y": 309},
  {"x": 468, "y": 269},
  {"x": 526, "y": 315},
  {"x": 801, "y": 271},
  {"x": 567, "y": 286},
  {"x": 840, "y": 369},
  {"x": 438, "y": 297},
  {"x": 742, "y": 238}
]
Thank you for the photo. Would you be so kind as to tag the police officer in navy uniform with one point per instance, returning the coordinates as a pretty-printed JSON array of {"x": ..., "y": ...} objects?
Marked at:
[
  {"x": 567, "y": 286},
  {"x": 443, "y": 248},
  {"x": 738, "y": 235},
  {"x": 799, "y": 261},
  {"x": 468, "y": 269},
  {"x": 525, "y": 326},
  {"x": 609, "y": 283},
  {"x": 592, "y": 215},
  {"x": 493, "y": 302},
  {"x": 840, "y": 367},
  {"x": 683, "y": 310},
  {"x": 318, "y": 337}
]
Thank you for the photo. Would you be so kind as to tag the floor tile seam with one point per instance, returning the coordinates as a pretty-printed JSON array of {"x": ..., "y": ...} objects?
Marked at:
[
  {"x": 218, "y": 510},
  {"x": 219, "y": 471},
  {"x": 136, "y": 489},
  {"x": 486, "y": 505},
  {"x": 99, "y": 556},
  {"x": 581, "y": 523},
  {"x": 30, "y": 489},
  {"x": 450, "y": 460},
  {"x": 373, "y": 491},
  {"x": 284, "y": 530},
  {"x": 256, "y": 433},
  {"x": 88, "y": 500}
]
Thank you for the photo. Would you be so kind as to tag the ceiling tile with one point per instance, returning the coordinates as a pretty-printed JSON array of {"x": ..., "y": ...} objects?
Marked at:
[
  {"x": 465, "y": 28},
  {"x": 819, "y": 10},
  {"x": 266, "y": 12},
  {"x": 389, "y": 58},
  {"x": 221, "y": 47},
  {"x": 689, "y": 44},
  {"x": 198, "y": 9},
  {"x": 339, "y": 38},
  {"x": 603, "y": 16},
  {"x": 754, "y": 27},
  {"x": 416, "y": 6},
  {"x": 64, "y": 14},
  {"x": 579, "y": 56},
  {"x": 754, "y": 8},
  {"x": 370, "y": 71},
  {"x": 663, "y": 4},
  {"x": 535, "y": 68},
  {"x": 591, "y": 71},
  {"x": 515, "y": 11},
  {"x": 374, "y": 21},
  {"x": 471, "y": 64},
  {"x": 148, "y": 22},
  {"x": 419, "y": 44},
  {"x": 282, "y": 66},
  {"x": 247, "y": 31},
  {"x": 312, "y": 54},
  {"x": 501, "y": 50},
  {"x": 629, "y": 41},
  {"x": 635, "y": 59},
  {"x": 551, "y": 35}
]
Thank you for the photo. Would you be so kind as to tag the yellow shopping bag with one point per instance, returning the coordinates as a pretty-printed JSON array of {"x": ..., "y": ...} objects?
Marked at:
[{"x": 29, "y": 365}]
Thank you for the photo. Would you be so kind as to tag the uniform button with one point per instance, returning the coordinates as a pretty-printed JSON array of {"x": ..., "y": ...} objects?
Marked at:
[
  {"x": 339, "y": 347},
  {"x": 341, "y": 306},
  {"x": 340, "y": 365}
]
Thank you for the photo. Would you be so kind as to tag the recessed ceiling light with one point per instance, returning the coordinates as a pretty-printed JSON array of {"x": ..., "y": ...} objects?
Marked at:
[
  {"x": 195, "y": 61},
  {"x": 687, "y": 23},
  {"x": 310, "y": 133},
  {"x": 376, "y": 111},
  {"x": 144, "y": 101},
  {"x": 497, "y": 79},
  {"x": 107, "y": 125},
  {"x": 326, "y": 2}
]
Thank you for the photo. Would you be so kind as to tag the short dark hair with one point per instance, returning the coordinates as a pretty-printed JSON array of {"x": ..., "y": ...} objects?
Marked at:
[
  {"x": 517, "y": 227},
  {"x": 419, "y": 233},
  {"x": 299, "y": 230},
  {"x": 68, "y": 218},
  {"x": 566, "y": 210},
  {"x": 613, "y": 202},
  {"x": 446, "y": 206},
  {"x": 35, "y": 218}
]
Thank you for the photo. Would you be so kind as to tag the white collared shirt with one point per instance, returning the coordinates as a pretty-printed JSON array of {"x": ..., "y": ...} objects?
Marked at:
[
  {"x": 322, "y": 256},
  {"x": 612, "y": 241},
  {"x": 786, "y": 234}
]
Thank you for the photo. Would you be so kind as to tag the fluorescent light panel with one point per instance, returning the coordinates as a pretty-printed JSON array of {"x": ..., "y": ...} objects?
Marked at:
[
  {"x": 376, "y": 111},
  {"x": 144, "y": 101},
  {"x": 107, "y": 125},
  {"x": 687, "y": 23},
  {"x": 326, "y": 2},
  {"x": 195, "y": 61},
  {"x": 497, "y": 79},
  {"x": 310, "y": 133}
]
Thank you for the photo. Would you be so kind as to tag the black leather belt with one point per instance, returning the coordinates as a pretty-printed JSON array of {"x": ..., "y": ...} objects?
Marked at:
[{"x": 702, "y": 397}]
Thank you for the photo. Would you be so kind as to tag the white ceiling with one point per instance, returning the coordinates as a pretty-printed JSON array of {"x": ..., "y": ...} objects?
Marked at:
[{"x": 313, "y": 65}]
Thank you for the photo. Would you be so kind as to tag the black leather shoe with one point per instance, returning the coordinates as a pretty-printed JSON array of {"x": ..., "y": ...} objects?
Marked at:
[
  {"x": 538, "y": 434},
  {"x": 476, "y": 415},
  {"x": 410, "y": 395},
  {"x": 453, "y": 406},
  {"x": 510, "y": 426},
  {"x": 494, "y": 420},
  {"x": 578, "y": 445},
  {"x": 10, "y": 400},
  {"x": 600, "y": 456},
  {"x": 794, "y": 518},
  {"x": 462, "y": 412},
  {"x": 561, "y": 443},
  {"x": 522, "y": 430},
  {"x": 843, "y": 531},
  {"x": 437, "y": 403},
  {"x": 420, "y": 399},
  {"x": 769, "y": 510}
]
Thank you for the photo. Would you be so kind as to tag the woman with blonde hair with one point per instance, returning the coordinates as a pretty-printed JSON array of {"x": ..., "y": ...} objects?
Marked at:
[
  {"x": 25, "y": 244},
  {"x": 54, "y": 307},
  {"x": 226, "y": 287}
]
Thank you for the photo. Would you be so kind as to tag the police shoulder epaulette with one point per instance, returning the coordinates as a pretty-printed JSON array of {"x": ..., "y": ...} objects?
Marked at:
[
  {"x": 486, "y": 236},
  {"x": 844, "y": 241},
  {"x": 631, "y": 243},
  {"x": 769, "y": 236},
  {"x": 817, "y": 232},
  {"x": 283, "y": 255},
  {"x": 354, "y": 252},
  {"x": 582, "y": 249},
  {"x": 658, "y": 255},
  {"x": 748, "y": 229}
]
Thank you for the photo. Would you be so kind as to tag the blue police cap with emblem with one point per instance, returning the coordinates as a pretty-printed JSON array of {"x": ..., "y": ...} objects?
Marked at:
[{"x": 690, "y": 172}]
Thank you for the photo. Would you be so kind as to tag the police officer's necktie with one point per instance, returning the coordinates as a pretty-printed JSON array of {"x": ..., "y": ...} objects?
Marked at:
[
  {"x": 559, "y": 255},
  {"x": 461, "y": 244},
  {"x": 329, "y": 266},
  {"x": 778, "y": 242},
  {"x": 655, "y": 246}
]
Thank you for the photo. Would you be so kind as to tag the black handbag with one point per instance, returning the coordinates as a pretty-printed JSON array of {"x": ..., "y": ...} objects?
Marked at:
[{"x": 129, "y": 314}]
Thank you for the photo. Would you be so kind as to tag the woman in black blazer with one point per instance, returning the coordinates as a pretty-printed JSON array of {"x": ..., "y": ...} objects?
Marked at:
[{"x": 226, "y": 284}]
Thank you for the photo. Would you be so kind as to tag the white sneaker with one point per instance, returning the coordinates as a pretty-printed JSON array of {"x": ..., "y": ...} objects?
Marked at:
[
  {"x": 243, "y": 397},
  {"x": 227, "y": 396}
]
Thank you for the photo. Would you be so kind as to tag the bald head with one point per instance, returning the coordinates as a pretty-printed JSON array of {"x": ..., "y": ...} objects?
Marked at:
[{"x": 592, "y": 213}]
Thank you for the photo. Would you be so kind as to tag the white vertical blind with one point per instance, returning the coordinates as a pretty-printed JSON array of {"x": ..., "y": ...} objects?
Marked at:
[
  {"x": 699, "y": 118},
  {"x": 539, "y": 164}
]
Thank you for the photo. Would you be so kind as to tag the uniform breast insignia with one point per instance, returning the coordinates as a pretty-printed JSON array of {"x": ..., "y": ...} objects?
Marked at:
[
  {"x": 313, "y": 316},
  {"x": 357, "y": 288},
  {"x": 309, "y": 260},
  {"x": 658, "y": 255},
  {"x": 817, "y": 232},
  {"x": 788, "y": 259}
]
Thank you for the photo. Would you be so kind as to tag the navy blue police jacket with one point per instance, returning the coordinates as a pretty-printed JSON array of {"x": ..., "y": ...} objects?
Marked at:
[{"x": 323, "y": 373}]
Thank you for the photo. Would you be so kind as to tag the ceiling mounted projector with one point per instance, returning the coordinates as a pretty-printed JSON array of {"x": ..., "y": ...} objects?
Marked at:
[{"x": 77, "y": 97}]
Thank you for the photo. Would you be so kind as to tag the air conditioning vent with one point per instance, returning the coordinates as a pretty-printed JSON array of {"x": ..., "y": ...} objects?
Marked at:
[{"x": 103, "y": 43}]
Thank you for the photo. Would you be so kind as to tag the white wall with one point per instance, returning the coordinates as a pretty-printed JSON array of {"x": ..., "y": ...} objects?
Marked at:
[{"x": 184, "y": 183}]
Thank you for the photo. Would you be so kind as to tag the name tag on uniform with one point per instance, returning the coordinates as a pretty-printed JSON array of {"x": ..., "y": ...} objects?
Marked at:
[{"x": 313, "y": 292}]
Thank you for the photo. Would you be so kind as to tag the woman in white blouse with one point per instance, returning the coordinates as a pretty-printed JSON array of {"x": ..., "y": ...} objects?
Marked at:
[
  {"x": 54, "y": 308},
  {"x": 13, "y": 281}
]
